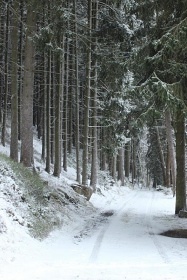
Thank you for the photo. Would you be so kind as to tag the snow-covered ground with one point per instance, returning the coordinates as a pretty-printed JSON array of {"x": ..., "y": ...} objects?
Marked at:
[{"x": 114, "y": 236}]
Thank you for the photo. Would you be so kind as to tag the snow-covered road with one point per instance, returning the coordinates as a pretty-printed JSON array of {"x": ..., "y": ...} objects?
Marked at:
[
  {"x": 125, "y": 245},
  {"x": 129, "y": 243}
]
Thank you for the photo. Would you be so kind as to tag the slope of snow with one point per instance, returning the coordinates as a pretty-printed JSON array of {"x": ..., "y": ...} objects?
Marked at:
[{"x": 114, "y": 236}]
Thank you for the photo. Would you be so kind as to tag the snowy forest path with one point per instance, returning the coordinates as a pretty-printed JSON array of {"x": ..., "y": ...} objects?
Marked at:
[
  {"x": 100, "y": 237},
  {"x": 130, "y": 239},
  {"x": 119, "y": 239}
]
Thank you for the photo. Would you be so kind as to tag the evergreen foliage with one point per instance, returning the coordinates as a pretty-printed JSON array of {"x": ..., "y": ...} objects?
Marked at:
[{"x": 159, "y": 66}]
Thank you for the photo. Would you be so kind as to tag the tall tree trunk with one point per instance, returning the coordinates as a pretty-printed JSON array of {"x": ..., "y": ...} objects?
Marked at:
[
  {"x": 5, "y": 99},
  {"x": 27, "y": 99},
  {"x": 133, "y": 160},
  {"x": 38, "y": 95},
  {"x": 103, "y": 157},
  {"x": 168, "y": 169},
  {"x": 180, "y": 160},
  {"x": 20, "y": 69},
  {"x": 94, "y": 165},
  {"x": 87, "y": 100},
  {"x": 44, "y": 90},
  {"x": 65, "y": 107},
  {"x": 58, "y": 107},
  {"x": 121, "y": 166},
  {"x": 77, "y": 93},
  {"x": 44, "y": 99},
  {"x": 70, "y": 100},
  {"x": 127, "y": 159},
  {"x": 52, "y": 110},
  {"x": 48, "y": 98},
  {"x": 2, "y": 50},
  {"x": 48, "y": 115},
  {"x": 114, "y": 165},
  {"x": 14, "y": 85},
  {"x": 171, "y": 149},
  {"x": 162, "y": 161}
]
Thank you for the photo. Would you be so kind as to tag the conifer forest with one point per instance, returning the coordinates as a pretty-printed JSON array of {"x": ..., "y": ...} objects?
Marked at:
[{"x": 104, "y": 80}]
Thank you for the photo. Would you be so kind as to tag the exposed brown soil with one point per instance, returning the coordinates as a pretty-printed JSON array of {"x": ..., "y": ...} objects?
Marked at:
[
  {"x": 175, "y": 233},
  {"x": 107, "y": 213}
]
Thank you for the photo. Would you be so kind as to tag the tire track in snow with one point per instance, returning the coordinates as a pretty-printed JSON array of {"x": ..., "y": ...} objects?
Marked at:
[
  {"x": 152, "y": 233},
  {"x": 161, "y": 251},
  {"x": 146, "y": 220},
  {"x": 97, "y": 245},
  {"x": 98, "y": 242}
]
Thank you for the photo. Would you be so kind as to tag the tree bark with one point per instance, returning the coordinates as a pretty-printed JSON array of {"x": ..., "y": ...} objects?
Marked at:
[
  {"x": 127, "y": 159},
  {"x": 121, "y": 166},
  {"x": 87, "y": 100},
  {"x": 52, "y": 110},
  {"x": 180, "y": 160},
  {"x": 58, "y": 107},
  {"x": 2, "y": 51},
  {"x": 48, "y": 115},
  {"x": 114, "y": 166},
  {"x": 5, "y": 99},
  {"x": 14, "y": 85},
  {"x": 77, "y": 93},
  {"x": 133, "y": 160},
  {"x": 20, "y": 70},
  {"x": 162, "y": 161},
  {"x": 44, "y": 94},
  {"x": 94, "y": 164},
  {"x": 168, "y": 169},
  {"x": 65, "y": 108},
  {"x": 171, "y": 149},
  {"x": 27, "y": 99}
]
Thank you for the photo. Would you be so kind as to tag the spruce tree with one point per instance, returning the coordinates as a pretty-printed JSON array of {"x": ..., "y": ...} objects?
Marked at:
[{"x": 159, "y": 65}]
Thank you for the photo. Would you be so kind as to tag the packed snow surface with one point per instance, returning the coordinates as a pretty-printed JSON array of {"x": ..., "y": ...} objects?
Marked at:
[{"x": 115, "y": 238}]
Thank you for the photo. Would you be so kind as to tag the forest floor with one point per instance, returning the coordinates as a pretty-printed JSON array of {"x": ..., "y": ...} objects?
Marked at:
[{"x": 114, "y": 236}]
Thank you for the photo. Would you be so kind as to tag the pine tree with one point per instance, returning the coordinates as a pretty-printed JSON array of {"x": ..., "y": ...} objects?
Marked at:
[{"x": 87, "y": 99}]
